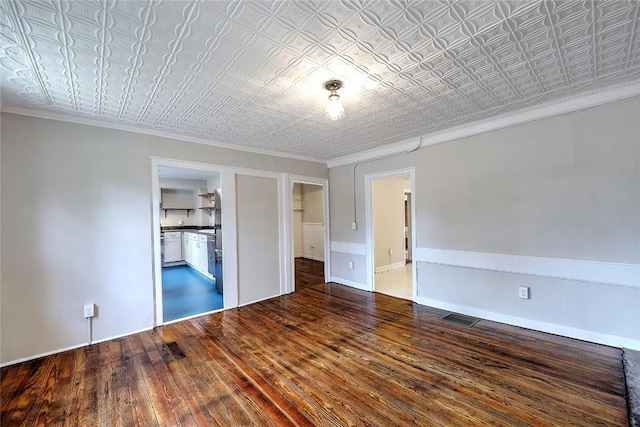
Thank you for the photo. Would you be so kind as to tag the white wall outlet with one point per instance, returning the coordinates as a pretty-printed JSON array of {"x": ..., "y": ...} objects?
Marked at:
[
  {"x": 354, "y": 225},
  {"x": 351, "y": 265},
  {"x": 312, "y": 245},
  {"x": 89, "y": 310},
  {"x": 390, "y": 251},
  {"x": 523, "y": 292}
]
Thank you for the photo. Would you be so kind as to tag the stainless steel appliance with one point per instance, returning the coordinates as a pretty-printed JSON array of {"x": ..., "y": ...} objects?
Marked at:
[
  {"x": 214, "y": 253},
  {"x": 162, "y": 248}
]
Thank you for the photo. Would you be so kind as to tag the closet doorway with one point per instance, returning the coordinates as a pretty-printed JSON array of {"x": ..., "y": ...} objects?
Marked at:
[{"x": 308, "y": 217}]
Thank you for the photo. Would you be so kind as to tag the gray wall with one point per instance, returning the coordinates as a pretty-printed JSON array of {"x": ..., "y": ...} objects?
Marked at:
[
  {"x": 76, "y": 228},
  {"x": 258, "y": 244},
  {"x": 561, "y": 193},
  {"x": 312, "y": 202}
]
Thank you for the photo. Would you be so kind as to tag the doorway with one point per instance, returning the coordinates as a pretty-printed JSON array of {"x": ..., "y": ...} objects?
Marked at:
[
  {"x": 190, "y": 230},
  {"x": 390, "y": 240},
  {"x": 309, "y": 231}
]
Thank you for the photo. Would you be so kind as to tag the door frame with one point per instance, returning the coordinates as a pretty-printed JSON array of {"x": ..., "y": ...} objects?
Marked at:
[
  {"x": 290, "y": 252},
  {"x": 227, "y": 185},
  {"x": 369, "y": 235}
]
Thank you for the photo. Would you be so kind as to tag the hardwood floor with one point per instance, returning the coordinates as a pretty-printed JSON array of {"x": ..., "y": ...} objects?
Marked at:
[
  {"x": 324, "y": 355},
  {"x": 308, "y": 272}
]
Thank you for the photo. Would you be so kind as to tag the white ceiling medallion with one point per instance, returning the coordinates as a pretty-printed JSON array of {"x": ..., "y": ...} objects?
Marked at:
[{"x": 334, "y": 109}]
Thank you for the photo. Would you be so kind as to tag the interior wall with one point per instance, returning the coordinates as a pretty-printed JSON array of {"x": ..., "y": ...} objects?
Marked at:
[
  {"x": 258, "y": 238},
  {"x": 312, "y": 201},
  {"x": 182, "y": 193},
  {"x": 312, "y": 222},
  {"x": 552, "y": 204},
  {"x": 297, "y": 219},
  {"x": 388, "y": 222},
  {"x": 76, "y": 228}
]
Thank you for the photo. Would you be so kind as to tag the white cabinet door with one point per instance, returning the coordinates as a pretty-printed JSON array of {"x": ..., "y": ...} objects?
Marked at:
[
  {"x": 204, "y": 260},
  {"x": 172, "y": 250},
  {"x": 187, "y": 248},
  {"x": 195, "y": 254}
]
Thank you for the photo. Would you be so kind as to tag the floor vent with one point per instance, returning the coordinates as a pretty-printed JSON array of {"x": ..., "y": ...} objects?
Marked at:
[{"x": 460, "y": 319}]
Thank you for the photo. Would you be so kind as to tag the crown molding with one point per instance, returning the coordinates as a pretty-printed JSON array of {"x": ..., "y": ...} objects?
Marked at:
[
  {"x": 131, "y": 128},
  {"x": 564, "y": 105},
  {"x": 392, "y": 149}
]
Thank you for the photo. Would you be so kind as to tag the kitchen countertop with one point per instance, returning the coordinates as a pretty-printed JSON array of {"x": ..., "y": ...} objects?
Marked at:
[{"x": 192, "y": 228}]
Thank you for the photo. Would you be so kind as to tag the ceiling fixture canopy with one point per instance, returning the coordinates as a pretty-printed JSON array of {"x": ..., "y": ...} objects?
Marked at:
[{"x": 334, "y": 110}]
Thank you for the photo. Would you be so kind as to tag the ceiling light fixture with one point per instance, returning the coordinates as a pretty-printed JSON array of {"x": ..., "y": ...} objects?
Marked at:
[{"x": 334, "y": 110}]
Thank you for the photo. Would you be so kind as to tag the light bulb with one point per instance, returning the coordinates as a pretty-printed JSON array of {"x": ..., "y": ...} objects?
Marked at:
[{"x": 334, "y": 110}]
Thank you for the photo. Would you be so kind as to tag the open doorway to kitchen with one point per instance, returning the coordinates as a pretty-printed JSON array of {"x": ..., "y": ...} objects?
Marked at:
[
  {"x": 190, "y": 282},
  {"x": 390, "y": 234},
  {"x": 309, "y": 231}
]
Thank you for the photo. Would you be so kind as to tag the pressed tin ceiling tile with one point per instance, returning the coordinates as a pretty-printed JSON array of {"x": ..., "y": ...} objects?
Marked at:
[{"x": 251, "y": 73}]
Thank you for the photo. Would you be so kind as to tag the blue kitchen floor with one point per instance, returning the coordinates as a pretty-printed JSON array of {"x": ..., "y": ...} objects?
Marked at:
[{"x": 185, "y": 292}]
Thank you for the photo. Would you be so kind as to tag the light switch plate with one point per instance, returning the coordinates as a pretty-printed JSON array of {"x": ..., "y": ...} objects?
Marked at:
[
  {"x": 523, "y": 292},
  {"x": 89, "y": 310}
]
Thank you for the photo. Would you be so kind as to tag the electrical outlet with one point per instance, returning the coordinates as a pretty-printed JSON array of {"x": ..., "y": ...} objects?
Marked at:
[
  {"x": 390, "y": 251},
  {"x": 354, "y": 225},
  {"x": 523, "y": 292},
  {"x": 89, "y": 310},
  {"x": 351, "y": 265},
  {"x": 312, "y": 245}
]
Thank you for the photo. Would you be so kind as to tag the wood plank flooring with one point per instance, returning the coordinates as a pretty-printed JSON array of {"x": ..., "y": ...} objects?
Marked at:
[
  {"x": 324, "y": 355},
  {"x": 308, "y": 272}
]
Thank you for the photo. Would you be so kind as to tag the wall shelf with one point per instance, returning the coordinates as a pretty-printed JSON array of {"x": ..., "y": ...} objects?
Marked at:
[
  {"x": 177, "y": 209},
  {"x": 208, "y": 196},
  {"x": 208, "y": 209}
]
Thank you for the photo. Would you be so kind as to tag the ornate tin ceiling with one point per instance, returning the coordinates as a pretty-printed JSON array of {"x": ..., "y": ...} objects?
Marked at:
[{"x": 251, "y": 73}]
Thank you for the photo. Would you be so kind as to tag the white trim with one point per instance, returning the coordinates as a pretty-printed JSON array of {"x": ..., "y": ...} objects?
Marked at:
[
  {"x": 388, "y": 267},
  {"x": 566, "y": 331},
  {"x": 539, "y": 111},
  {"x": 345, "y": 282},
  {"x": 290, "y": 179},
  {"x": 73, "y": 347},
  {"x": 609, "y": 273},
  {"x": 374, "y": 153},
  {"x": 348, "y": 247},
  {"x": 130, "y": 128},
  {"x": 156, "y": 257},
  {"x": 259, "y": 300},
  {"x": 229, "y": 219},
  {"x": 194, "y": 316}
]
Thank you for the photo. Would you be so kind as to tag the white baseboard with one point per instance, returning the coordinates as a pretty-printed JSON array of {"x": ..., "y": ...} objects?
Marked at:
[
  {"x": 388, "y": 267},
  {"x": 74, "y": 347},
  {"x": 259, "y": 300},
  {"x": 346, "y": 282},
  {"x": 552, "y": 328}
]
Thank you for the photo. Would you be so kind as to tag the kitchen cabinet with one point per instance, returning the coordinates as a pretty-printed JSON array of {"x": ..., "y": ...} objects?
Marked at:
[
  {"x": 186, "y": 243},
  {"x": 203, "y": 259},
  {"x": 172, "y": 247},
  {"x": 195, "y": 252}
]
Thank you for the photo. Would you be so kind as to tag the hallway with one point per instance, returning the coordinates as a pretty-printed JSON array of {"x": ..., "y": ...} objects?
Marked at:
[{"x": 396, "y": 282}]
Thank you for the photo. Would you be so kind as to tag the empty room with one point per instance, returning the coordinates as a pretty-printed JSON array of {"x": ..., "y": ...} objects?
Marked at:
[{"x": 325, "y": 212}]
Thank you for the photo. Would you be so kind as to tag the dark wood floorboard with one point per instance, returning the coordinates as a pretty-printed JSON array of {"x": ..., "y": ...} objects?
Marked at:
[
  {"x": 324, "y": 355},
  {"x": 308, "y": 272}
]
